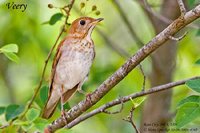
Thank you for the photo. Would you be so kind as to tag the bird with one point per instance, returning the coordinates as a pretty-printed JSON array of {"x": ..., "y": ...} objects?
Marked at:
[{"x": 71, "y": 64}]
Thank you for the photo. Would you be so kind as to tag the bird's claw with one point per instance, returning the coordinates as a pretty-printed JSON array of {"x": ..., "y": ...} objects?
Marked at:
[
  {"x": 88, "y": 98},
  {"x": 88, "y": 95},
  {"x": 63, "y": 116}
]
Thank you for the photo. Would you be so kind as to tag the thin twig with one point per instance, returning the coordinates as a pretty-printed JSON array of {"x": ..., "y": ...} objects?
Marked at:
[
  {"x": 144, "y": 77},
  {"x": 182, "y": 7},
  {"x": 178, "y": 38},
  {"x": 130, "y": 119},
  {"x": 47, "y": 60},
  {"x": 126, "y": 99},
  {"x": 112, "y": 45},
  {"x": 148, "y": 8},
  {"x": 128, "y": 24},
  {"x": 146, "y": 5},
  {"x": 115, "y": 112}
]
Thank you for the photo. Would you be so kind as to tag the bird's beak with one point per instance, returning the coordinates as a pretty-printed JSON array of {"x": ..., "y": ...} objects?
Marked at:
[
  {"x": 99, "y": 19},
  {"x": 96, "y": 21}
]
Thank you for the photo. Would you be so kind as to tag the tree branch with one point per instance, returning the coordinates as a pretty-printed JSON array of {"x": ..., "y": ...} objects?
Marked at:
[
  {"x": 129, "y": 65},
  {"x": 126, "y": 99}
]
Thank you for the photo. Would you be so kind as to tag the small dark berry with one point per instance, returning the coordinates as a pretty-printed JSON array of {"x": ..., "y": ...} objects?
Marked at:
[
  {"x": 50, "y": 5},
  {"x": 94, "y": 7},
  {"x": 82, "y": 5},
  {"x": 97, "y": 13}
]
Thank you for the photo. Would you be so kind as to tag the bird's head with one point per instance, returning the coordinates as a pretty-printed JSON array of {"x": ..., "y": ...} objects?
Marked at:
[{"x": 82, "y": 27}]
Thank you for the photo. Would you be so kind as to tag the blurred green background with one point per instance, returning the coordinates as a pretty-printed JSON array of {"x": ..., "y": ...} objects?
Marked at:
[{"x": 18, "y": 80}]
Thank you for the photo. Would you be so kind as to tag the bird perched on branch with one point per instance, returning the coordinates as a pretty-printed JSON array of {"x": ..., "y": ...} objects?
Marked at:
[{"x": 71, "y": 64}]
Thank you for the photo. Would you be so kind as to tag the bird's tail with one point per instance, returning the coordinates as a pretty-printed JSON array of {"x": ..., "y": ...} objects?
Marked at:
[
  {"x": 51, "y": 105},
  {"x": 54, "y": 98}
]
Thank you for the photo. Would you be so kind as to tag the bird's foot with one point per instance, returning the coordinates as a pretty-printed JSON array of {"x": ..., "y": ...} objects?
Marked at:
[
  {"x": 64, "y": 116},
  {"x": 88, "y": 97}
]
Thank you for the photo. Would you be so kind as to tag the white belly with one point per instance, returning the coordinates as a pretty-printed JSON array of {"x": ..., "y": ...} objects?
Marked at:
[{"x": 73, "y": 67}]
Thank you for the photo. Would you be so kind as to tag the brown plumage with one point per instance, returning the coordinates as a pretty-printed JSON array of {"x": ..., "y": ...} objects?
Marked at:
[{"x": 71, "y": 64}]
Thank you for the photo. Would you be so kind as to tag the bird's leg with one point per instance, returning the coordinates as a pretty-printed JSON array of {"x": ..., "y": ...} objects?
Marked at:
[
  {"x": 62, "y": 100},
  {"x": 87, "y": 95},
  {"x": 82, "y": 91},
  {"x": 62, "y": 104},
  {"x": 80, "y": 87}
]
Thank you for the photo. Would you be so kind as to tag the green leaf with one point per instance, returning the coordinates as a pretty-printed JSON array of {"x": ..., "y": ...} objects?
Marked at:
[
  {"x": 197, "y": 62},
  {"x": 2, "y": 110},
  {"x": 13, "y": 48},
  {"x": 36, "y": 106},
  {"x": 20, "y": 122},
  {"x": 32, "y": 114},
  {"x": 55, "y": 18},
  {"x": 40, "y": 124},
  {"x": 27, "y": 127},
  {"x": 187, "y": 113},
  {"x": 12, "y": 56},
  {"x": 12, "y": 111},
  {"x": 191, "y": 99},
  {"x": 137, "y": 101},
  {"x": 194, "y": 84},
  {"x": 44, "y": 94}
]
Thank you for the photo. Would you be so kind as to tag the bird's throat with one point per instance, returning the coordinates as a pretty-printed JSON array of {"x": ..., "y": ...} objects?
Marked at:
[{"x": 89, "y": 33}]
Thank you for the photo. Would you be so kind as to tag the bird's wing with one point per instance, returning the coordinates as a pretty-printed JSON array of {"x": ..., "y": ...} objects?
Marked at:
[
  {"x": 49, "y": 106},
  {"x": 55, "y": 62}
]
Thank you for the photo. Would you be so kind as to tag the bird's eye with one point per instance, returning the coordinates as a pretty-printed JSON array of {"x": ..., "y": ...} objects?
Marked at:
[{"x": 82, "y": 22}]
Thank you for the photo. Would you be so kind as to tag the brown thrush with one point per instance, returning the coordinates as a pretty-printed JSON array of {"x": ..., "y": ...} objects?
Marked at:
[{"x": 71, "y": 64}]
